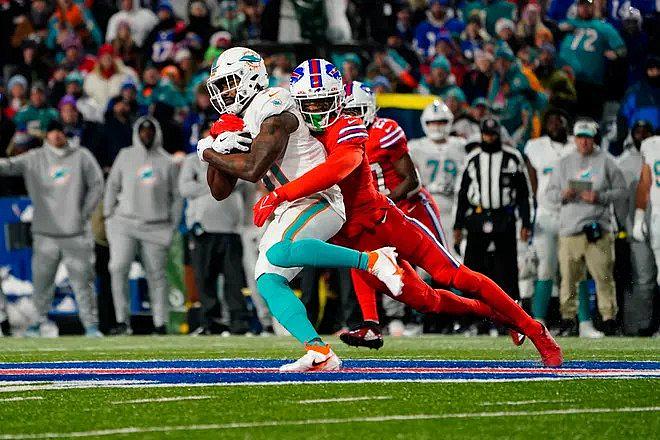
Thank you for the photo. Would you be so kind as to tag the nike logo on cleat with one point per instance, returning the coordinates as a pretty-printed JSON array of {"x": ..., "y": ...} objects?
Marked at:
[
  {"x": 318, "y": 364},
  {"x": 370, "y": 336}
]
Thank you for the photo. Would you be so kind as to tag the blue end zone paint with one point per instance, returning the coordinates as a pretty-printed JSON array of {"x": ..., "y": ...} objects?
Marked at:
[{"x": 255, "y": 371}]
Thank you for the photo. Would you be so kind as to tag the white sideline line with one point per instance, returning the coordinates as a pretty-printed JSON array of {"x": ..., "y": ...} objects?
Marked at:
[
  {"x": 525, "y": 402},
  {"x": 18, "y": 399},
  {"x": 345, "y": 399},
  {"x": 273, "y": 423},
  {"x": 162, "y": 399}
]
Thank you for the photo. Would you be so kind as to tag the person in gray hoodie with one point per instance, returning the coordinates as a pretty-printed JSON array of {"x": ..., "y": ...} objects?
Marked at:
[
  {"x": 65, "y": 184},
  {"x": 142, "y": 208},
  {"x": 587, "y": 182}
]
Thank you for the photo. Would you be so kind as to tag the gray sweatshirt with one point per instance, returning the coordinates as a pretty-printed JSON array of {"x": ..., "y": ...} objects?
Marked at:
[
  {"x": 65, "y": 186},
  {"x": 226, "y": 216},
  {"x": 606, "y": 179},
  {"x": 141, "y": 195},
  {"x": 630, "y": 163}
]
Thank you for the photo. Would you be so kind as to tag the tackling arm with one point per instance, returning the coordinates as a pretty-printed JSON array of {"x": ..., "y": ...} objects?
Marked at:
[
  {"x": 410, "y": 184},
  {"x": 266, "y": 148}
]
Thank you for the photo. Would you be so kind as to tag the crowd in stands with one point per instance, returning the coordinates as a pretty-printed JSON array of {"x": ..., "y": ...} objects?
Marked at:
[{"x": 97, "y": 66}]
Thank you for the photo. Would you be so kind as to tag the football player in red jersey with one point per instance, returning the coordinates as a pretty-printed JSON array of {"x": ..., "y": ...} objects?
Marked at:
[
  {"x": 373, "y": 221},
  {"x": 395, "y": 176}
]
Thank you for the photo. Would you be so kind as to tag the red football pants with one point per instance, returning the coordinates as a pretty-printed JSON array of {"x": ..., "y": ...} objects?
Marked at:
[{"x": 416, "y": 244}]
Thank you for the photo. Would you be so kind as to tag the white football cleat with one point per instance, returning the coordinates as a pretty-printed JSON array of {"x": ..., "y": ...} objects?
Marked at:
[
  {"x": 382, "y": 264},
  {"x": 588, "y": 331},
  {"x": 317, "y": 358}
]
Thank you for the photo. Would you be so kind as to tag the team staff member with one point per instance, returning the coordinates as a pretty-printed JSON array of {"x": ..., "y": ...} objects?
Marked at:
[
  {"x": 142, "y": 207},
  {"x": 585, "y": 183},
  {"x": 216, "y": 246},
  {"x": 493, "y": 186},
  {"x": 65, "y": 184}
]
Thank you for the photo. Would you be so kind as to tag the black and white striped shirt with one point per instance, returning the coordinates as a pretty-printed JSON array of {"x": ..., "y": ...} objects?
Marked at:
[{"x": 494, "y": 181}]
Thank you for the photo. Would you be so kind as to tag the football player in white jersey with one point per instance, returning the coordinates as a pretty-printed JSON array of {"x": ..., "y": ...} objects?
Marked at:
[
  {"x": 543, "y": 154},
  {"x": 439, "y": 158},
  {"x": 648, "y": 195},
  {"x": 281, "y": 149}
]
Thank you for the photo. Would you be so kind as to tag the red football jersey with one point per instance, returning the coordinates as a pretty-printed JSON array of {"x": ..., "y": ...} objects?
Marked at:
[
  {"x": 386, "y": 144},
  {"x": 361, "y": 199}
]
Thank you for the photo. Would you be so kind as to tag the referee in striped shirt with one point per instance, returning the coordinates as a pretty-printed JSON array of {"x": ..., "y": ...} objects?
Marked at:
[{"x": 494, "y": 192}]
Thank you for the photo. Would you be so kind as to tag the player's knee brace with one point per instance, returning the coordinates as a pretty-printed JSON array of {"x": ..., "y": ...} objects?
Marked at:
[{"x": 279, "y": 254}]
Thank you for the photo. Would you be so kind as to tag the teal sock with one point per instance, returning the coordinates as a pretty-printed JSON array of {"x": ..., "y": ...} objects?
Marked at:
[
  {"x": 584, "y": 300},
  {"x": 286, "y": 307},
  {"x": 311, "y": 252},
  {"x": 541, "y": 299},
  {"x": 317, "y": 341}
]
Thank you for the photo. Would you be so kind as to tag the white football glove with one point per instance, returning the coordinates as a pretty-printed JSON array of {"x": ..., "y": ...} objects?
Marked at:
[
  {"x": 202, "y": 145},
  {"x": 639, "y": 231},
  {"x": 232, "y": 140}
]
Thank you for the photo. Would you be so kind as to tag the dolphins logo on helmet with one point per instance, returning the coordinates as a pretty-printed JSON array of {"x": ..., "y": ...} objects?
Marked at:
[
  {"x": 236, "y": 77},
  {"x": 436, "y": 121},
  {"x": 316, "y": 88}
]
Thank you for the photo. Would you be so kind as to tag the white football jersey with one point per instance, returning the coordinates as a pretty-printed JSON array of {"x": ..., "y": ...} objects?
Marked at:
[
  {"x": 302, "y": 153},
  {"x": 651, "y": 151},
  {"x": 544, "y": 154},
  {"x": 439, "y": 165}
]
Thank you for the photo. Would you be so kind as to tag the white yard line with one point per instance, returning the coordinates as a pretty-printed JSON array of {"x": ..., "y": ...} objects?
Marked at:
[
  {"x": 274, "y": 423},
  {"x": 18, "y": 399},
  {"x": 161, "y": 399},
  {"x": 345, "y": 399},
  {"x": 525, "y": 402}
]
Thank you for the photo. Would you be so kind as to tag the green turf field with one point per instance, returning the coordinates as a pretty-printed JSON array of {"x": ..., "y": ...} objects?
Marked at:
[{"x": 583, "y": 408}]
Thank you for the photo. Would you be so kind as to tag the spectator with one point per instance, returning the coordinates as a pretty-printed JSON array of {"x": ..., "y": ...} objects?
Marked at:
[
  {"x": 88, "y": 108},
  {"x": 439, "y": 19},
  {"x": 216, "y": 247},
  {"x": 142, "y": 208},
  {"x": 586, "y": 49},
  {"x": 117, "y": 132},
  {"x": 473, "y": 38},
  {"x": 37, "y": 115},
  {"x": 74, "y": 57},
  {"x": 199, "y": 20},
  {"x": 105, "y": 80},
  {"x": 638, "y": 308},
  {"x": 530, "y": 30},
  {"x": 495, "y": 10},
  {"x": 32, "y": 65},
  {"x": 477, "y": 80},
  {"x": 465, "y": 124},
  {"x": 637, "y": 43},
  {"x": 556, "y": 82},
  {"x": 125, "y": 48},
  {"x": 202, "y": 113},
  {"x": 70, "y": 17},
  {"x": 642, "y": 98},
  {"x": 231, "y": 18},
  {"x": 65, "y": 184},
  {"x": 584, "y": 184},
  {"x": 141, "y": 21},
  {"x": 543, "y": 155},
  {"x": 404, "y": 26},
  {"x": 17, "y": 88},
  {"x": 77, "y": 130},
  {"x": 439, "y": 82},
  {"x": 161, "y": 41},
  {"x": 487, "y": 208},
  {"x": 505, "y": 30}
]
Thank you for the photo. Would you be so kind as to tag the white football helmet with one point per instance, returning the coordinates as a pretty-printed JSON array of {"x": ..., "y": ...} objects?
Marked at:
[
  {"x": 316, "y": 88},
  {"x": 437, "y": 112},
  {"x": 240, "y": 70},
  {"x": 360, "y": 101}
]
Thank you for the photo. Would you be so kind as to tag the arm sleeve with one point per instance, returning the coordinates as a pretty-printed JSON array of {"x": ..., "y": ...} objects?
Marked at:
[
  {"x": 339, "y": 164},
  {"x": 14, "y": 166},
  {"x": 112, "y": 188},
  {"x": 617, "y": 189},
  {"x": 176, "y": 201},
  {"x": 462, "y": 203},
  {"x": 94, "y": 182},
  {"x": 190, "y": 184}
]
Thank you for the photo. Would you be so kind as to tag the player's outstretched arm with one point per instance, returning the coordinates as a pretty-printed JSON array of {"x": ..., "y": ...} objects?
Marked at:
[
  {"x": 410, "y": 184},
  {"x": 266, "y": 148}
]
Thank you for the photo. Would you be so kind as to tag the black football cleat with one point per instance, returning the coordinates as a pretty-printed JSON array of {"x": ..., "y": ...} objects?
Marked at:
[{"x": 365, "y": 334}]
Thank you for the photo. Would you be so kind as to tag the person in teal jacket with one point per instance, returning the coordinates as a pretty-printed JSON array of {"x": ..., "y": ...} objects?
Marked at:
[
  {"x": 36, "y": 116},
  {"x": 591, "y": 42},
  {"x": 439, "y": 81}
]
